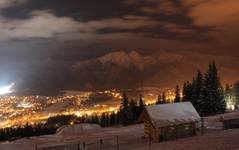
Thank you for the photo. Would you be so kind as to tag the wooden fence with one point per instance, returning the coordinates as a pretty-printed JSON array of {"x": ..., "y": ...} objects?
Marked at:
[{"x": 113, "y": 143}]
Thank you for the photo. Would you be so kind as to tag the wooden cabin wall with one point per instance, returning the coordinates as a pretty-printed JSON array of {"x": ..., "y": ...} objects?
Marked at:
[
  {"x": 150, "y": 131},
  {"x": 169, "y": 132},
  {"x": 174, "y": 132},
  {"x": 147, "y": 129},
  {"x": 230, "y": 124}
]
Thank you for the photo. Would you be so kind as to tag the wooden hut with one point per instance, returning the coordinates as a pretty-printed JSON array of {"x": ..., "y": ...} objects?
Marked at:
[
  {"x": 230, "y": 120},
  {"x": 169, "y": 121}
]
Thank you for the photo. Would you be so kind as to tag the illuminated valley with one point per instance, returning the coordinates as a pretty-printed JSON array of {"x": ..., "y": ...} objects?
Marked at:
[{"x": 20, "y": 110}]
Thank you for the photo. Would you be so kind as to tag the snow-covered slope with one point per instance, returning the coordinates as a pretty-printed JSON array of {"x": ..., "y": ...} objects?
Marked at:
[
  {"x": 78, "y": 129},
  {"x": 121, "y": 59},
  {"x": 130, "y": 138},
  {"x": 113, "y": 70}
]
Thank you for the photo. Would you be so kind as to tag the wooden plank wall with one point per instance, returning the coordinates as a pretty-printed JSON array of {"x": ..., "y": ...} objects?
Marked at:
[
  {"x": 170, "y": 132},
  {"x": 230, "y": 124}
]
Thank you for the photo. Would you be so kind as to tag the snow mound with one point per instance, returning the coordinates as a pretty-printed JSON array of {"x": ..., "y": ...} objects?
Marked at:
[
  {"x": 79, "y": 129},
  {"x": 124, "y": 59},
  {"x": 119, "y": 58}
]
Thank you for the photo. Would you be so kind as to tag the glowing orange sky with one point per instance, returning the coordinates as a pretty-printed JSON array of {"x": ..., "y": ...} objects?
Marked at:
[{"x": 77, "y": 44}]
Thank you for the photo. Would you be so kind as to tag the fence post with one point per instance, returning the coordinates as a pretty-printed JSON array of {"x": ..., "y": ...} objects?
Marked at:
[
  {"x": 117, "y": 142},
  {"x": 35, "y": 147},
  {"x": 150, "y": 136},
  {"x": 84, "y": 145},
  {"x": 78, "y": 146},
  {"x": 202, "y": 126},
  {"x": 101, "y": 142}
]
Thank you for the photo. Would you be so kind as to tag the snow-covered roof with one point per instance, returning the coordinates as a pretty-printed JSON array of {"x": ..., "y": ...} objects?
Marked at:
[{"x": 172, "y": 114}]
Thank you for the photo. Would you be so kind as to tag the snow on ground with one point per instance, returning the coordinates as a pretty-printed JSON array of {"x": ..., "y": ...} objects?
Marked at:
[
  {"x": 109, "y": 136},
  {"x": 222, "y": 140},
  {"x": 78, "y": 129},
  {"x": 129, "y": 138}
]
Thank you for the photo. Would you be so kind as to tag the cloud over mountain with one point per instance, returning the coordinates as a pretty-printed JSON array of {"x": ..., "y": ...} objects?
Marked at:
[
  {"x": 121, "y": 59},
  {"x": 115, "y": 69}
]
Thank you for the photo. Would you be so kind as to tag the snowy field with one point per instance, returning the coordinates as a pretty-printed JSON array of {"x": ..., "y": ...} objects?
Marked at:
[{"x": 129, "y": 138}]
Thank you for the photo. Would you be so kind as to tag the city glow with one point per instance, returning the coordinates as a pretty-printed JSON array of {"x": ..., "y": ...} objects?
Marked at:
[
  {"x": 19, "y": 110},
  {"x": 6, "y": 89}
]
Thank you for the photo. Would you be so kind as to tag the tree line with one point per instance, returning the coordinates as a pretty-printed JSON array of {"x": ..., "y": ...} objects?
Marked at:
[
  {"x": 27, "y": 130},
  {"x": 205, "y": 92},
  {"x": 128, "y": 113}
]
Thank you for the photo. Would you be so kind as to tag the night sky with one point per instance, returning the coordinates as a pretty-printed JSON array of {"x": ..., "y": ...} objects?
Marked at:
[{"x": 50, "y": 45}]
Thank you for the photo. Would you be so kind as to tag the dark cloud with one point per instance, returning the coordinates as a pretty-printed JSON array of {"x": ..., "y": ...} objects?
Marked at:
[
  {"x": 77, "y": 9},
  {"x": 41, "y": 40}
]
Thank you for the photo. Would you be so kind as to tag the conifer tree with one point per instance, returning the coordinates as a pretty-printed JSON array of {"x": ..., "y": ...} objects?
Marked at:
[
  {"x": 198, "y": 94},
  {"x": 112, "y": 118},
  {"x": 125, "y": 102},
  {"x": 177, "y": 95},
  {"x": 164, "y": 99},
  {"x": 103, "y": 120},
  {"x": 214, "y": 101},
  {"x": 159, "y": 100},
  {"x": 133, "y": 111},
  {"x": 125, "y": 111},
  {"x": 205, "y": 92},
  {"x": 185, "y": 92},
  {"x": 236, "y": 92},
  {"x": 141, "y": 103}
]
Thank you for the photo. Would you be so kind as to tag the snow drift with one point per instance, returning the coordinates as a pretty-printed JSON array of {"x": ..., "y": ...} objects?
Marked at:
[{"x": 78, "y": 129}]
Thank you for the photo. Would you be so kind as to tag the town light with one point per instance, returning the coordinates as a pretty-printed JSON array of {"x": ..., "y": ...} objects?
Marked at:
[
  {"x": 230, "y": 100},
  {"x": 6, "y": 89}
]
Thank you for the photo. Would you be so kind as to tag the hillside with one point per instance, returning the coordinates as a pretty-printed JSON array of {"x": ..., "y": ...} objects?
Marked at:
[{"x": 130, "y": 138}]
